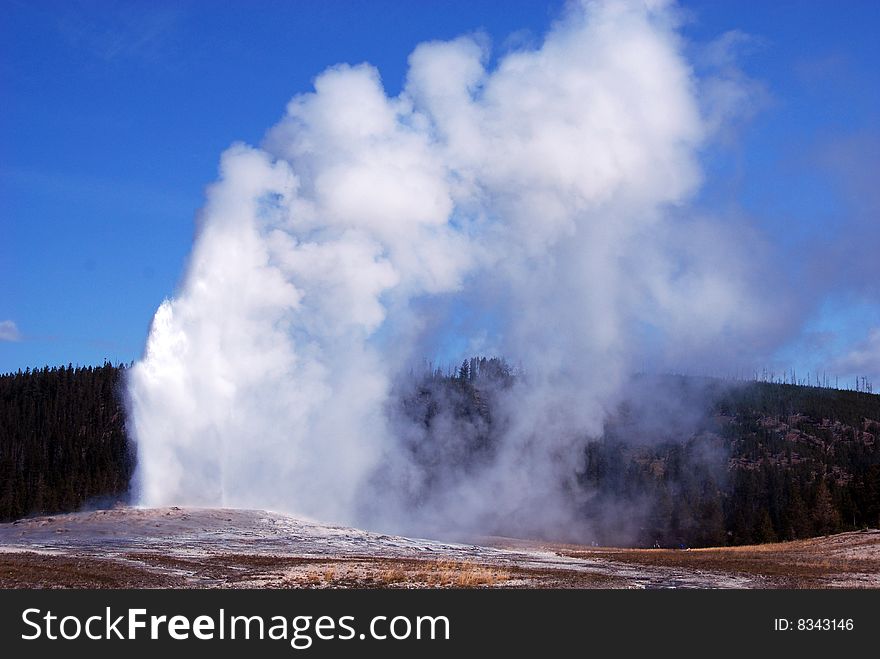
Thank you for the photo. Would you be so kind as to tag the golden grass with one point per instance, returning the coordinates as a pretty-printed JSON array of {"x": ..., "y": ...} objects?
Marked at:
[
  {"x": 442, "y": 574},
  {"x": 395, "y": 573}
]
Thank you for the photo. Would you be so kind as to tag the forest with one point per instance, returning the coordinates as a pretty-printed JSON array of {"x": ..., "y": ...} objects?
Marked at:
[
  {"x": 682, "y": 462},
  {"x": 63, "y": 444}
]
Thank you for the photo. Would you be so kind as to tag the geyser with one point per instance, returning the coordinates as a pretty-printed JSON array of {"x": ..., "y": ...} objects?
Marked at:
[{"x": 540, "y": 202}]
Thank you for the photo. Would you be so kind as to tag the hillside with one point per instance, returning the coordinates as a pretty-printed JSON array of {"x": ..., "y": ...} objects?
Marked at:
[
  {"x": 762, "y": 462},
  {"x": 682, "y": 462}
]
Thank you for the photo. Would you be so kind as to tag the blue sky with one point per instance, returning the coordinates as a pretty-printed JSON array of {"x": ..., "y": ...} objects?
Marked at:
[{"x": 113, "y": 116}]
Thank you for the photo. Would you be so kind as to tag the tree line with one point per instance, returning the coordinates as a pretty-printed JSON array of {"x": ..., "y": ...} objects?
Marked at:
[
  {"x": 63, "y": 443},
  {"x": 684, "y": 461}
]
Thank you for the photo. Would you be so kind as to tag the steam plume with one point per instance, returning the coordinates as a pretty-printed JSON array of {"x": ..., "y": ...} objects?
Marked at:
[{"x": 540, "y": 201}]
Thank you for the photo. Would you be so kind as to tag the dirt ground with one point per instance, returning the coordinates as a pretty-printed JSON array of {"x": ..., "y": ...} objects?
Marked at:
[{"x": 216, "y": 548}]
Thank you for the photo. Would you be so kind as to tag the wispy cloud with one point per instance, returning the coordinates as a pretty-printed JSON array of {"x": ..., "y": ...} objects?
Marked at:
[
  {"x": 120, "y": 30},
  {"x": 863, "y": 359},
  {"x": 9, "y": 331}
]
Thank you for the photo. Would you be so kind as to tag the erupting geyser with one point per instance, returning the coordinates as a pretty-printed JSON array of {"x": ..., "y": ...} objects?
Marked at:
[{"x": 541, "y": 196}]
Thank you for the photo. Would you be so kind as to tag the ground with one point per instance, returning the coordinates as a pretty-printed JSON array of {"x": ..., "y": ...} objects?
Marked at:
[{"x": 229, "y": 548}]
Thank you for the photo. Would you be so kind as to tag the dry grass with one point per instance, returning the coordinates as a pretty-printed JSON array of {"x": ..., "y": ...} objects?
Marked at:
[
  {"x": 395, "y": 573},
  {"x": 807, "y": 563},
  {"x": 442, "y": 574},
  {"x": 33, "y": 570}
]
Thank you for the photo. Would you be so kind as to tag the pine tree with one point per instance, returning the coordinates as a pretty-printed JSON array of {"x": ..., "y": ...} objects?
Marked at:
[
  {"x": 826, "y": 518},
  {"x": 764, "y": 531}
]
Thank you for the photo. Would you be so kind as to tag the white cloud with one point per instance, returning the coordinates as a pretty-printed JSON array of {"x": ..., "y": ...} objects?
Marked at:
[{"x": 9, "y": 331}]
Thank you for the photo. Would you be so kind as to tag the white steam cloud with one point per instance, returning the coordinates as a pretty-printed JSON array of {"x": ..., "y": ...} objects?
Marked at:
[{"x": 540, "y": 201}]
